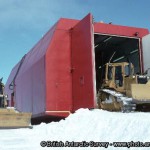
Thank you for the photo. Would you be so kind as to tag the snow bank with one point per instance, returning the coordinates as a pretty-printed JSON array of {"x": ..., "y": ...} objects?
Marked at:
[{"x": 84, "y": 125}]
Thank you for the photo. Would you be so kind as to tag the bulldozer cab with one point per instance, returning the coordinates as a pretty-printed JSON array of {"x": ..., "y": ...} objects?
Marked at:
[{"x": 115, "y": 74}]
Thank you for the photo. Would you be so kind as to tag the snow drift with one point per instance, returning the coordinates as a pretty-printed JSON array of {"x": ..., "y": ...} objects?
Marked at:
[{"x": 84, "y": 125}]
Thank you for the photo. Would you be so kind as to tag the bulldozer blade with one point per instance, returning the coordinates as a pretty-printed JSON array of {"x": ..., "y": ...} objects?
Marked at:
[
  {"x": 11, "y": 119},
  {"x": 140, "y": 92}
]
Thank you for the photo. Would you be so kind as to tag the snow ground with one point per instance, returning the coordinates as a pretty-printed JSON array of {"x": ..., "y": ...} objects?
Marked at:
[{"x": 84, "y": 125}]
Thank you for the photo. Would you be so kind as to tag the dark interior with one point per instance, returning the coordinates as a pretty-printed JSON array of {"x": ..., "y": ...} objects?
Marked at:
[{"x": 114, "y": 49}]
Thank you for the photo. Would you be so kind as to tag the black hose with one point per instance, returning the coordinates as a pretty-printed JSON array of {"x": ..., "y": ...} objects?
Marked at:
[{"x": 12, "y": 84}]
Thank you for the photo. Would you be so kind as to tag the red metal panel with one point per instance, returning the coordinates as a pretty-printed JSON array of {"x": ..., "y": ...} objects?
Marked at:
[
  {"x": 66, "y": 24},
  {"x": 23, "y": 92},
  {"x": 38, "y": 51},
  {"x": 58, "y": 76},
  {"x": 103, "y": 28},
  {"x": 57, "y": 113},
  {"x": 38, "y": 87},
  {"x": 30, "y": 92},
  {"x": 83, "y": 64},
  {"x": 30, "y": 89}
]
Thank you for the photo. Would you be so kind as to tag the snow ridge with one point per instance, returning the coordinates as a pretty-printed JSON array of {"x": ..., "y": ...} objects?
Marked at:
[{"x": 84, "y": 125}]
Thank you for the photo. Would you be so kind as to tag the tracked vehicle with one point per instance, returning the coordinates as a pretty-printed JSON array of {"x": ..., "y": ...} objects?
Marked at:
[{"x": 122, "y": 90}]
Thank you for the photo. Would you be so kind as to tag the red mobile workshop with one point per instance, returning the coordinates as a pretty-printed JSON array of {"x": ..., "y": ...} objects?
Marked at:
[{"x": 61, "y": 73}]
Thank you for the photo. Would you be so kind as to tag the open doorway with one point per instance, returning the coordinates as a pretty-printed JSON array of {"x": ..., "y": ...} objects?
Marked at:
[{"x": 116, "y": 48}]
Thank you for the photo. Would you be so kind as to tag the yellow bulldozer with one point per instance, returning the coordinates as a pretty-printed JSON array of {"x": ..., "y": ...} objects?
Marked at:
[
  {"x": 9, "y": 116},
  {"x": 122, "y": 90}
]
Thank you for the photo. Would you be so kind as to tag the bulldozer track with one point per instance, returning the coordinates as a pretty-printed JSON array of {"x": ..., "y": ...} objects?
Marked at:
[{"x": 114, "y": 101}]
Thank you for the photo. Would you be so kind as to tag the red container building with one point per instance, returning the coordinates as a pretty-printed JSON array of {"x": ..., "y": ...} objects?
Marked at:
[{"x": 61, "y": 74}]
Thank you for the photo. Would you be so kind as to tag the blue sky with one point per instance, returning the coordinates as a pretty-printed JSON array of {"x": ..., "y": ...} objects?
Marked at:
[{"x": 24, "y": 22}]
